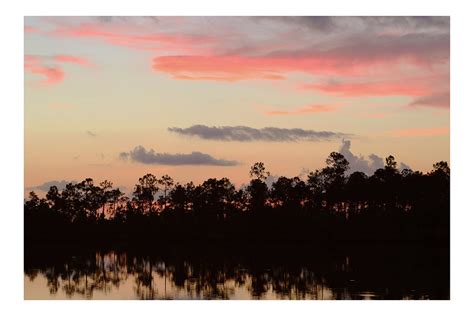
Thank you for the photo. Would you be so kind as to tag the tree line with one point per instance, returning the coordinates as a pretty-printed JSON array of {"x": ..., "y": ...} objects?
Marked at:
[{"x": 331, "y": 204}]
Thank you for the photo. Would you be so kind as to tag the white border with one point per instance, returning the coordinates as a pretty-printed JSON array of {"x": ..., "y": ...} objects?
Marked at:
[{"x": 11, "y": 124}]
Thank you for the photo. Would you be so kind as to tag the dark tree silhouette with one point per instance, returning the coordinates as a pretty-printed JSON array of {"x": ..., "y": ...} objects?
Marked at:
[
  {"x": 258, "y": 172},
  {"x": 331, "y": 205},
  {"x": 145, "y": 191},
  {"x": 166, "y": 182}
]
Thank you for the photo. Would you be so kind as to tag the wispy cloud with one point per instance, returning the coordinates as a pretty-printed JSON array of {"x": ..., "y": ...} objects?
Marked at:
[
  {"x": 440, "y": 100},
  {"x": 30, "y": 29},
  {"x": 52, "y": 74},
  {"x": 387, "y": 52},
  {"x": 328, "y": 24},
  {"x": 420, "y": 132},
  {"x": 308, "y": 109},
  {"x": 353, "y": 56},
  {"x": 248, "y": 134},
  {"x": 141, "y": 155},
  {"x": 377, "y": 88},
  {"x": 133, "y": 36},
  {"x": 50, "y": 67},
  {"x": 72, "y": 59},
  {"x": 92, "y": 134}
]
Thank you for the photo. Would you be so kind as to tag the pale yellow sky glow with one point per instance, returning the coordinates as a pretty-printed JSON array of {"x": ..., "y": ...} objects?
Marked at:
[{"x": 99, "y": 87}]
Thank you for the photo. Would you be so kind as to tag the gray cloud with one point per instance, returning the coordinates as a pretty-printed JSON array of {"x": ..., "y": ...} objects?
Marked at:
[
  {"x": 363, "y": 23},
  {"x": 140, "y": 154},
  {"x": 110, "y": 19},
  {"x": 360, "y": 48},
  {"x": 408, "y": 22},
  {"x": 314, "y": 23},
  {"x": 248, "y": 134},
  {"x": 421, "y": 46},
  {"x": 404, "y": 166},
  {"x": 92, "y": 134},
  {"x": 45, "y": 186},
  {"x": 360, "y": 163},
  {"x": 441, "y": 100},
  {"x": 136, "y": 19}
]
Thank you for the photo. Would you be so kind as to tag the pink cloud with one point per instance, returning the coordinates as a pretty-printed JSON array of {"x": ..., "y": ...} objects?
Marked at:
[
  {"x": 72, "y": 59},
  {"x": 51, "y": 74},
  {"x": 437, "y": 100},
  {"x": 422, "y": 90},
  {"x": 353, "y": 57},
  {"x": 134, "y": 38},
  {"x": 30, "y": 29},
  {"x": 383, "y": 88},
  {"x": 412, "y": 132},
  {"x": 234, "y": 68},
  {"x": 308, "y": 109},
  {"x": 233, "y": 55},
  {"x": 49, "y": 67}
]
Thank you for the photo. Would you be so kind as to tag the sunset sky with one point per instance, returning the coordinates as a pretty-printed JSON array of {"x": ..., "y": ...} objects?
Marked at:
[{"x": 200, "y": 97}]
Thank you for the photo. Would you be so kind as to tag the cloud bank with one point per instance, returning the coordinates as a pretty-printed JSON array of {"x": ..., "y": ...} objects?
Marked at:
[
  {"x": 249, "y": 134},
  {"x": 360, "y": 53},
  {"x": 359, "y": 163},
  {"x": 141, "y": 155},
  {"x": 61, "y": 185}
]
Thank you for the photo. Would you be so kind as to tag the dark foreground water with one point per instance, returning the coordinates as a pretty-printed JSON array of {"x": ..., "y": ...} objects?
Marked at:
[{"x": 229, "y": 272}]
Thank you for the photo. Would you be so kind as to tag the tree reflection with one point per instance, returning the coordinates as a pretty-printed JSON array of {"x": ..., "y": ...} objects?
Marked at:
[{"x": 164, "y": 276}]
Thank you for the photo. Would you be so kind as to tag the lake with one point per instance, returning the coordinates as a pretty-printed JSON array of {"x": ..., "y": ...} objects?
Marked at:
[{"x": 231, "y": 272}]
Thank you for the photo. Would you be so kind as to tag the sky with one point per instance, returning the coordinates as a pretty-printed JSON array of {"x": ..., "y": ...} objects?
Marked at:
[{"x": 198, "y": 97}]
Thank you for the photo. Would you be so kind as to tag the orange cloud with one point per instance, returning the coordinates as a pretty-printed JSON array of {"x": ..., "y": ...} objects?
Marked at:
[
  {"x": 313, "y": 108},
  {"x": 435, "y": 131}
]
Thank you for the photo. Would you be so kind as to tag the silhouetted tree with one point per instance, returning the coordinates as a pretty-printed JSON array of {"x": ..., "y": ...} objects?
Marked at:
[
  {"x": 258, "y": 189},
  {"x": 334, "y": 180},
  {"x": 258, "y": 172},
  {"x": 288, "y": 193},
  {"x": 166, "y": 182},
  {"x": 145, "y": 191}
]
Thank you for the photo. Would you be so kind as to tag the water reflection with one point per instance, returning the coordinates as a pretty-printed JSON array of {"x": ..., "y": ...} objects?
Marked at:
[{"x": 376, "y": 273}]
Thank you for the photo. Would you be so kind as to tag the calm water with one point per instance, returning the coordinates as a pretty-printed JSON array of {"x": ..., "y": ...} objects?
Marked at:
[{"x": 375, "y": 272}]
